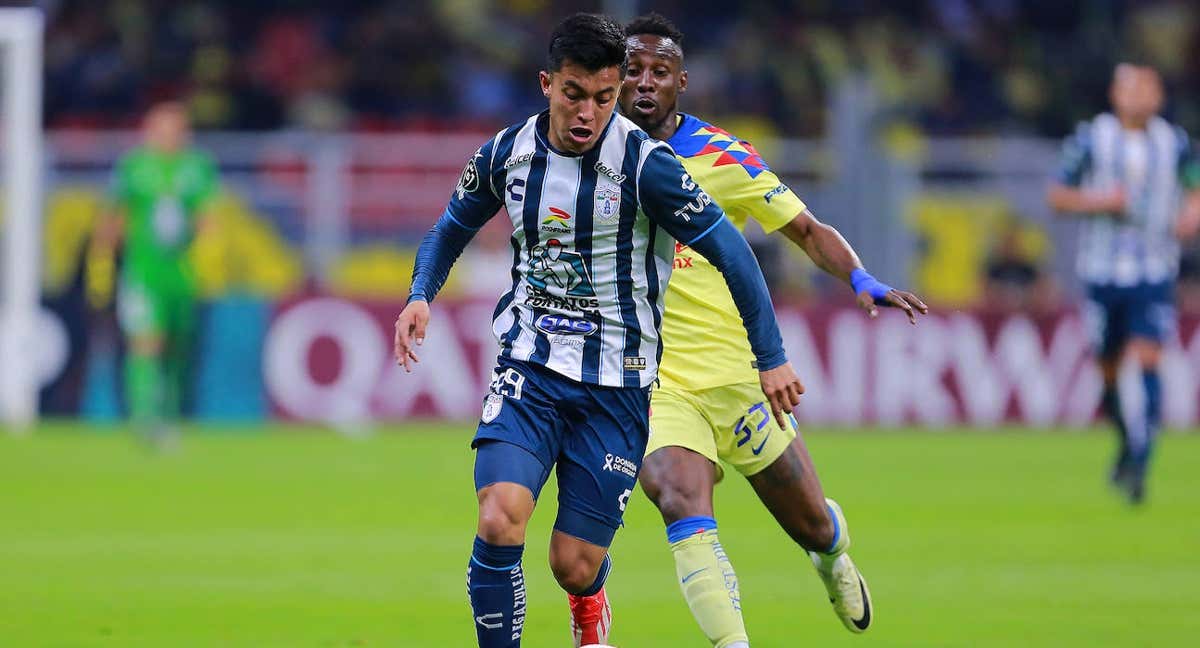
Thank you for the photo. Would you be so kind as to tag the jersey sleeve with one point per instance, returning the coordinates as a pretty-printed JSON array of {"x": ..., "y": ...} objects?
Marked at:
[
  {"x": 673, "y": 200},
  {"x": 475, "y": 199},
  {"x": 1189, "y": 162},
  {"x": 473, "y": 202},
  {"x": 767, "y": 200},
  {"x": 1076, "y": 158}
]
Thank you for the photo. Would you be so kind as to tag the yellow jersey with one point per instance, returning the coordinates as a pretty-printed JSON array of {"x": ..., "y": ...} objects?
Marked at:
[{"x": 704, "y": 342}]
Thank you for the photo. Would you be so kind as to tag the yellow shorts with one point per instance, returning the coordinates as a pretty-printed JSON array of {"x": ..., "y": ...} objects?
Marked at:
[{"x": 732, "y": 423}]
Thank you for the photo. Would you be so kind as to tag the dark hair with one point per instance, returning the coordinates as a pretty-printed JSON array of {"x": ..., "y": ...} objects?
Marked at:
[
  {"x": 592, "y": 41},
  {"x": 654, "y": 24}
]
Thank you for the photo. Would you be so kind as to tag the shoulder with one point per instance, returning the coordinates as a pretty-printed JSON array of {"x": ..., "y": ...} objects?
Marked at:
[
  {"x": 634, "y": 138},
  {"x": 497, "y": 153},
  {"x": 696, "y": 138},
  {"x": 1173, "y": 132}
]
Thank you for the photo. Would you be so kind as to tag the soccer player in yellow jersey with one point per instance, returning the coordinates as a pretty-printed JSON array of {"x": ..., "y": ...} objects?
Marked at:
[{"x": 708, "y": 406}]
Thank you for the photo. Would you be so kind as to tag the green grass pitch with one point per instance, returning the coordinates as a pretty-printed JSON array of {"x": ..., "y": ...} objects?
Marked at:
[{"x": 298, "y": 537}]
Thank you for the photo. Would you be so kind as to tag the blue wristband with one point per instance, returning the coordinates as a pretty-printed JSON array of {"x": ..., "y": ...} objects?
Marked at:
[{"x": 862, "y": 280}]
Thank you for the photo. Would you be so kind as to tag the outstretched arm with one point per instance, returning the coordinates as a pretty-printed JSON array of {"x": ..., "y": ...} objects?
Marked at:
[
  {"x": 473, "y": 203},
  {"x": 1107, "y": 203},
  {"x": 833, "y": 254}
]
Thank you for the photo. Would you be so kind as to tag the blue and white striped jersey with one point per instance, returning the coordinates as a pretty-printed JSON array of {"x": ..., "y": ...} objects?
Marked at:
[
  {"x": 593, "y": 242},
  {"x": 1154, "y": 167}
]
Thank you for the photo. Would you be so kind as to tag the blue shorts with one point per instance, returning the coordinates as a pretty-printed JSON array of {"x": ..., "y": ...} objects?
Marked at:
[
  {"x": 1115, "y": 314},
  {"x": 593, "y": 436}
]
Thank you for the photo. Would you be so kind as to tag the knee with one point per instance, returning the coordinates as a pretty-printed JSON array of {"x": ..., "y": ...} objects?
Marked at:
[
  {"x": 574, "y": 572},
  {"x": 674, "y": 497},
  {"x": 1148, "y": 355},
  {"x": 501, "y": 522}
]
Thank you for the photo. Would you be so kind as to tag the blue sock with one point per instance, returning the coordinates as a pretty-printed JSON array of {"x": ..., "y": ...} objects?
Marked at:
[
  {"x": 496, "y": 585},
  {"x": 1152, "y": 383},
  {"x": 1110, "y": 404},
  {"x": 601, "y": 576},
  {"x": 680, "y": 529}
]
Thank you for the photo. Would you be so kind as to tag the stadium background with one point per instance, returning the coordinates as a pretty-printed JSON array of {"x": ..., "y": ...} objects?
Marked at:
[{"x": 924, "y": 131}]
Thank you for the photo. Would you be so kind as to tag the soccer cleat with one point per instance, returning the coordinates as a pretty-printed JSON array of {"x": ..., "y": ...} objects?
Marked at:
[
  {"x": 847, "y": 592},
  {"x": 591, "y": 618}
]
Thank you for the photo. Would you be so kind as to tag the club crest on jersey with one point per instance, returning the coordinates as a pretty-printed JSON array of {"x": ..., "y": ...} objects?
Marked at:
[
  {"x": 608, "y": 202},
  {"x": 469, "y": 180}
]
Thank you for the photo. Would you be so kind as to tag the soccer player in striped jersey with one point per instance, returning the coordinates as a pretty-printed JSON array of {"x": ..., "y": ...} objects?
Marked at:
[
  {"x": 1135, "y": 179},
  {"x": 709, "y": 406},
  {"x": 596, "y": 207}
]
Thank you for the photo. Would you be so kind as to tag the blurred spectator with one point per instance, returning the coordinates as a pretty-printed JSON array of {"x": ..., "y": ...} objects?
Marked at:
[
  {"x": 1013, "y": 277},
  {"x": 1189, "y": 281},
  {"x": 949, "y": 66}
]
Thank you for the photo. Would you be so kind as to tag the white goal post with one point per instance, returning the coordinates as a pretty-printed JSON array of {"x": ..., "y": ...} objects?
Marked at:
[{"x": 21, "y": 183}]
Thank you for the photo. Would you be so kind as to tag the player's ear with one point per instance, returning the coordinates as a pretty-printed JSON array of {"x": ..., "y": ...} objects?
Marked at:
[
  {"x": 683, "y": 82},
  {"x": 544, "y": 78}
]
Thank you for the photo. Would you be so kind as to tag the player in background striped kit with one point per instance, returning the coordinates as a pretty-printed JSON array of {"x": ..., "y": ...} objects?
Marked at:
[
  {"x": 1135, "y": 179},
  {"x": 596, "y": 208}
]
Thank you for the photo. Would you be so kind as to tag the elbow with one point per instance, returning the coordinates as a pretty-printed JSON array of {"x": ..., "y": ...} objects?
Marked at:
[{"x": 1056, "y": 198}]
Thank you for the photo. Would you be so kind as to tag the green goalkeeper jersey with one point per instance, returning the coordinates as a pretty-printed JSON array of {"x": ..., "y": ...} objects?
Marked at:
[{"x": 163, "y": 195}]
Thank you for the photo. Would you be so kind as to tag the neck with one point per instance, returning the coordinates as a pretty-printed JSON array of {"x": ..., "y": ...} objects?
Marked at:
[
  {"x": 665, "y": 129},
  {"x": 1130, "y": 122}
]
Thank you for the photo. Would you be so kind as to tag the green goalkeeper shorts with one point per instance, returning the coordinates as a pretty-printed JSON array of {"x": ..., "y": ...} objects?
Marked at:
[{"x": 163, "y": 306}]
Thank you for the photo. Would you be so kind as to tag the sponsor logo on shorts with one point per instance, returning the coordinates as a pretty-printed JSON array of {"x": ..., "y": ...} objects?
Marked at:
[
  {"x": 613, "y": 463},
  {"x": 491, "y": 407}
]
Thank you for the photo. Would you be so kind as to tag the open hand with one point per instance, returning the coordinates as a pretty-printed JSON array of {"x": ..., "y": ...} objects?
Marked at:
[
  {"x": 905, "y": 301},
  {"x": 410, "y": 333}
]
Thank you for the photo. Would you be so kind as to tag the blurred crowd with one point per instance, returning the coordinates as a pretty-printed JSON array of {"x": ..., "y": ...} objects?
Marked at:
[{"x": 945, "y": 66}]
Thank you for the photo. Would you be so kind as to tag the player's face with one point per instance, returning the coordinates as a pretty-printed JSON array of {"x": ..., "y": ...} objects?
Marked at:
[
  {"x": 581, "y": 103},
  {"x": 1137, "y": 92},
  {"x": 653, "y": 80},
  {"x": 166, "y": 128}
]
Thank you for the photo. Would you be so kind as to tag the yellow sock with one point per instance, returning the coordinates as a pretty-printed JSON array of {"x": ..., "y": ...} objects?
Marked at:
[{"x": 709, "y": 585}]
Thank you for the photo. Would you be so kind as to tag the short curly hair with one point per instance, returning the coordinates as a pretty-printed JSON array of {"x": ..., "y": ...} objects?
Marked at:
[{"x": 654, "y": 24}]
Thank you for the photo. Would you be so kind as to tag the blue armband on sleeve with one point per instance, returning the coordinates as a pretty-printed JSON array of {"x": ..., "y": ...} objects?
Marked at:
[
  {"x": 862, "y": 280},
  {"x": 726, "y": 249},
  {"x": 439, "y": 250}
]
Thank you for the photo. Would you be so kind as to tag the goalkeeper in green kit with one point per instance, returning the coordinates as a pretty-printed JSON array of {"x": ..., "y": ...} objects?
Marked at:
[{"x": 161, "y": 194}]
